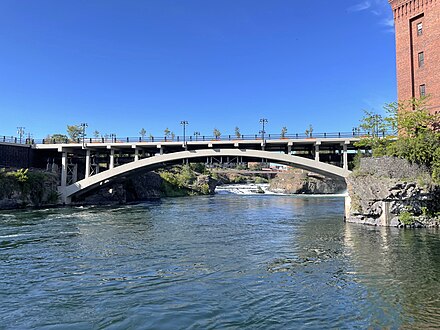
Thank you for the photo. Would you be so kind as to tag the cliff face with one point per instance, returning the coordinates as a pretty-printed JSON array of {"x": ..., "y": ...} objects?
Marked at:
[
  {"x": 301, "y": 182},
  {"x": 392, "y": 192},
  {"x": 23, "y": 188}
]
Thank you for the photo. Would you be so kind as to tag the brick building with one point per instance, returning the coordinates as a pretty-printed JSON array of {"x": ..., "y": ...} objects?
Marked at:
[{"x": 417, "y": 24}]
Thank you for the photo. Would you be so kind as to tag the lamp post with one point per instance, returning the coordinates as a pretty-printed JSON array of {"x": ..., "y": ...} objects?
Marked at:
[
  {"x": 184, "y": 123},
  {"x": 83, "y": 126},
  {"x": 113, "y": 137},
  {"x": 263, "y": 121},
  {"x": 20, "y": 132},
  {"x": 196, "y": 134}
]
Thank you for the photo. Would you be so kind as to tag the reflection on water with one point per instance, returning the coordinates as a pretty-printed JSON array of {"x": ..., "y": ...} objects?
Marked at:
[{"x": 253, "y": 262}]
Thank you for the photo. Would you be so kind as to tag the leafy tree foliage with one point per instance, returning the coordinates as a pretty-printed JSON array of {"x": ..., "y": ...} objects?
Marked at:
[
  {"x": 418, "y": 134},
  {"x": 216, "y": 133},
  {"x": 237, "y": 132},
  {"x": 142, "y": 132},
  {"x": 74, "y": 132},
  {"x": 57, "y": 138}
]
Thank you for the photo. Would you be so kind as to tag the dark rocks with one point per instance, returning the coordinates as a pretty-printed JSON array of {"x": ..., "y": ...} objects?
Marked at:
[
  {"x": 301, "y": 182},
  {"x": 392, "y": 192}
]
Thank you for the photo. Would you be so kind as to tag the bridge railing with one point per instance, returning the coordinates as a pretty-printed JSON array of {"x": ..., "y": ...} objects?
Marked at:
[
  {"x": 16, "y": 140},
  {"x": 200, "y": 138}
]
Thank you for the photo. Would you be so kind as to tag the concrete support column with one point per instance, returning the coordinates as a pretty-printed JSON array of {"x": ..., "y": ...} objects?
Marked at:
[
  {"x": 97, "y": 163},
  {"x": 385, "y": 217},
  {"x": 317, "y": 151},
  {"x": 87, "y": 163},
  {"x": 289, "y": 149},
  {"x": 136, "y": 154},
  {"x": 64, "y": 169},
  {"x": 112, "y": 158},
  {"x": 345, "y": 157},
  {"x": 160, "y": 149}
]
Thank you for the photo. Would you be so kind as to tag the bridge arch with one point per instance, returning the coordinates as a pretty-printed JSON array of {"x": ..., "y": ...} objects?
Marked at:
[{"x": 151, "y": 163}]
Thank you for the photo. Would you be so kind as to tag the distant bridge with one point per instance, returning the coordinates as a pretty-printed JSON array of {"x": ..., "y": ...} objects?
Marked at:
[{"x": 89, "y": 165}]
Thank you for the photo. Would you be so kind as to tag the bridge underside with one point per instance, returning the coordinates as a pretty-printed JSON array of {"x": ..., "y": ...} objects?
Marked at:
[{"x": 203, "y": 155}]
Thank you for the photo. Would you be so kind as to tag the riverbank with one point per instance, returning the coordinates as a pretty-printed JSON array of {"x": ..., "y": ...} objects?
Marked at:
[
  {"x": 27, "y": 188},
  {"x": 40, "y": 188},
  {"x": 389, "y": 191}
]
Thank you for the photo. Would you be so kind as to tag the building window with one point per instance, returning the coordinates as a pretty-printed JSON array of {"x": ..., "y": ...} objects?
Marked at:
[
  {"x": 421, "y": 59},
  {"x": 422, "y": 90},
  {"x": 419, "y": 29}
]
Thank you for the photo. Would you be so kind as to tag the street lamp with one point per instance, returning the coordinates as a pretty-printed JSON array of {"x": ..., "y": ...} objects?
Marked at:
[
  {"x": 20, "y": 132},
  {"x": 184, "y": 123},
  {"x": 113, "y": 137},
  {"x": 83, "y": 126},
  {"x": 263, "y": 121},
  {"x": 196, "y": 134}
]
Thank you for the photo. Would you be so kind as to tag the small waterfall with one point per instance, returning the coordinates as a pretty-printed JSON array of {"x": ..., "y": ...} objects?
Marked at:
[{"x": 245, "y": 189}]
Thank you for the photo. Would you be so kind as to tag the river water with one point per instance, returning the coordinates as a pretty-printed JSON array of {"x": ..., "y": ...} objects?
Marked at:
[{"x": 219, "y": 262}]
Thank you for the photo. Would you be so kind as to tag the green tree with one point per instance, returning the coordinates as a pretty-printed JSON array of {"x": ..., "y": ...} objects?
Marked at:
[
  {"x": 74, "y": 132},
  {"x": 418, "y": 140},
  {"x": 96, "y": 134},
  {"x": 167, "y": 132},
  {"x": 216, "y": 133},
  {"x": 309, "y": 131},
  {"x": 283, "y": 132},
  {"x": 237, "y": 132},
  {"x": 57, "y": 138},
  {"x": 142, "y": 133}
]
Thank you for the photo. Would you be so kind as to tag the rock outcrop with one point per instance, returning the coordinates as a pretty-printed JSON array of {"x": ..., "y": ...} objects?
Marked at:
[
  {"x": 392, "y": 192},
  {"x": 27, "y": 188},
  {"x": 301, "y": 182},
  {"x": 151, "y": 185}
]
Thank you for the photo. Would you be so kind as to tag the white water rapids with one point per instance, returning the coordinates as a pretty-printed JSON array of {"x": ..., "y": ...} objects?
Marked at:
[{"x": 256, "y": 189}]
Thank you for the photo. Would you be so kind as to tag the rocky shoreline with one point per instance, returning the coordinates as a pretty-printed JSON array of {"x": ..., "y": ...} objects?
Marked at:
[{"x": 392, "y": 192}]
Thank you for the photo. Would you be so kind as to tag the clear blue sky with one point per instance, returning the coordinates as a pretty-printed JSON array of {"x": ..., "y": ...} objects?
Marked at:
[{"x": 122, "y": 65}]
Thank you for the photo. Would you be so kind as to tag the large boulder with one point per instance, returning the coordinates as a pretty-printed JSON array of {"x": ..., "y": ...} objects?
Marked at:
[{"x": 297, "y": 181}]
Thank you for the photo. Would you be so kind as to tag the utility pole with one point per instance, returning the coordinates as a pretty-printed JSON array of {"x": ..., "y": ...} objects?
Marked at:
[
  {"x": 20, "y": 132},
  {"x": 184, "y": 123},
  {"x": 83, "y": 126},
  {"x": 263, "y": 121}
]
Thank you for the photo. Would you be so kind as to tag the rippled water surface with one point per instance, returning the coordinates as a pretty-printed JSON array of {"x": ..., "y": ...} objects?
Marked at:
[{"x": 227, "y": 261}]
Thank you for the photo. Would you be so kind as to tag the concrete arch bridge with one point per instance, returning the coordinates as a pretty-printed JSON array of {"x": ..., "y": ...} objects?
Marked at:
[{"x": 85, "y": 167}]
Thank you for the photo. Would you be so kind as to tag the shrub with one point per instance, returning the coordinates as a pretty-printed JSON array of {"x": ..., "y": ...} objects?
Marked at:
[{"x": 406, "y": 217}]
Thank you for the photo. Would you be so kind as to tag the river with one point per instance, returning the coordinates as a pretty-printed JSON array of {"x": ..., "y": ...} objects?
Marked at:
[{"x": 218, "y": 262}]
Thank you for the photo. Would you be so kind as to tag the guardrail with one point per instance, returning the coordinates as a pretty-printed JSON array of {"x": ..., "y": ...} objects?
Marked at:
[
  {"x": 198, "y": 138},
  {"x": 15, "y": 140}
]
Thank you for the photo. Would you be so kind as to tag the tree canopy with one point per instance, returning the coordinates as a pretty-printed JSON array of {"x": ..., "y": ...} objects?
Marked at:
[{"x": 417, "y": 129}]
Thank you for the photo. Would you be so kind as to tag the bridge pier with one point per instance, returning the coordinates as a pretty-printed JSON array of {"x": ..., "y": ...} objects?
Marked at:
[
  {"x": 317, "y": 144},
  {"x": 112, "y": 159},
  {"x": 87, "y": 174},
  {"x": 345, "y": 156},
  {"x": 64, "y": 169}
]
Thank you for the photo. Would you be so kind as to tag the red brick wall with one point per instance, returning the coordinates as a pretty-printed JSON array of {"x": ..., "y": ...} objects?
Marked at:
[{"x": 407, "y": 15}]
